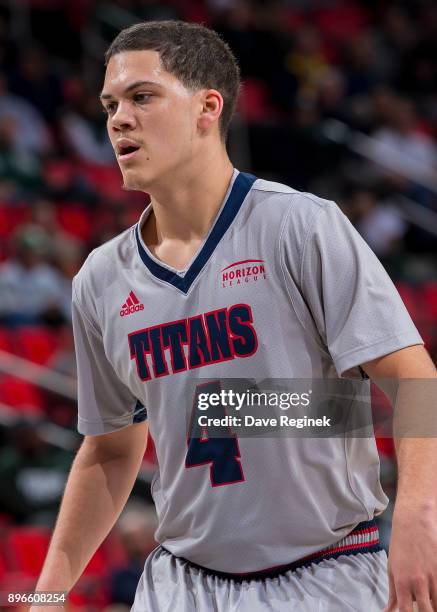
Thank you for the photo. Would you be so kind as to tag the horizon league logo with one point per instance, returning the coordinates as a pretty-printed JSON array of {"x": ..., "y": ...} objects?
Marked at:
[{"x": 245, "y": 271}]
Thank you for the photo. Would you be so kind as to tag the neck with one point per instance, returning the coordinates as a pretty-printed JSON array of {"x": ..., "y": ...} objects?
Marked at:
[{"x": 184, "y": 207}]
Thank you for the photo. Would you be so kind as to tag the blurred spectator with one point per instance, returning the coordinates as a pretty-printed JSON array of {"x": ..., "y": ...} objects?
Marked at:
[
  {"x": 136, "y": 526},
  {"x": 84, "y": 128},
  {"x": 33, "y": 474},
  {"x": 30, "y": 133},
  {"x": 393, "y": 39},
  {"x": 401, "y": 148},
  {"x": 331, "y": 94},
  {"x": 417, "y": 73},
  {"x": 111, "y": 16},
  {"x": 66, "y": 251},
  {"x": 34, "y": 79},
  {"x": 30, "y": 288},
  {"x": 379, "y": 223},
  {"x": 63, "y": 359},
  {"x": 20, "y": 170},
  {"x": 63, "y": 182},
  {"x": 360, "y": 65},
  {"x": 307, "y": 62}
]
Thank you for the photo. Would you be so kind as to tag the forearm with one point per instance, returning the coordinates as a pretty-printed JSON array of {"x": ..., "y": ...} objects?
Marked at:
[
  {"x": 96, "y": 492},
  {"x": 415, "y": 434},
  {"x": 417, "y": 474},
  {"x": 412, "y": 561},
  {"x": 409, "y": 379}
]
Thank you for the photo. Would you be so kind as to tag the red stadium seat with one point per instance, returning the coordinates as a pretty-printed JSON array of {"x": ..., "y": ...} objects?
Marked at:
[
  {"x": 5, "y": 344},
  {"x": 35, "y": 343},
  {"x": 293, "y": 18},
  {"x": 20, "y": 394},
  {"x": 89, "y": 594},
  {"x": 59, "y": 173},
  {"x": 429, "y": 294},
  {"x": 421, "y": 303},
  {"x": 97, "y": 565},
  {"x": 75, "y": 219},
  {"x": 150, "y": 454},
  {"x": 11, "y": 217},
  {"x": 4, "y": 222},
  {"x": 114, "y": 550},
  {"x": 340, "y": 21},
  {"x": 386, "y": 447},
  {"x": 27, "y": 548},
  {"x": 105, "y": 179},
  {"x": 382, "y": 421},
  {"x": 427, "y": 319},
  {"x": 254, "y": 101},
  {"x": 410, "y": 298},
  {"x": 3, "y": 567},
  {"x": 5, "y": 520}
]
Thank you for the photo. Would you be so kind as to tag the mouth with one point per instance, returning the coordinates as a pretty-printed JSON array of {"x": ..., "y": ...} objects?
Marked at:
[{"x": 125, "y": 152}]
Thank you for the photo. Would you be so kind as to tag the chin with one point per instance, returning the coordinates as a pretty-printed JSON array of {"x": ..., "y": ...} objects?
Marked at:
[{"x": 133, "y": 182}]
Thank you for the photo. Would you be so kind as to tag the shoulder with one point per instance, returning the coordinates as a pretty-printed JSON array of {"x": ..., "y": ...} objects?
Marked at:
[
  {"x": 288, "y": 197},
  {"x": 99, "y": 267},
  {"x": 298, "y": 209}
]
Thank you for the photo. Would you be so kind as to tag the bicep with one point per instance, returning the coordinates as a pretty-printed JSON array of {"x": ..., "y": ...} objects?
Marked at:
[
  {"x": 410, "y": 362},
  {"x": 408, "y": 378},
  {"x": 127, "y": 443}
]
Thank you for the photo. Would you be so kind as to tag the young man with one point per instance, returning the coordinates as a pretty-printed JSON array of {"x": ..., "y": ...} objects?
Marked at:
[{"x": 263, "y": 523}]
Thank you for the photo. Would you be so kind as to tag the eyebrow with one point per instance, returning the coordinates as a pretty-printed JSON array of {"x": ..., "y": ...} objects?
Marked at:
[{"x": 106, "y": 96}]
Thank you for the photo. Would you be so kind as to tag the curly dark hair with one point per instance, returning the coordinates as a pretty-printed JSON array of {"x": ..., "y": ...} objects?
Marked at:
[{"x": 194, "y": 54}]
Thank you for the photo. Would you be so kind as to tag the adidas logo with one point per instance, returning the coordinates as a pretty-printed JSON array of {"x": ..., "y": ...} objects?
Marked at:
[{"x": 131, "y": 305}]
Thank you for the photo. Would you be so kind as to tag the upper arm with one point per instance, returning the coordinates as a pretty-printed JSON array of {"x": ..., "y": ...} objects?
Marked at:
[
  {"x": 408, "y": 378},
  {"x": 409, "y": 362},
  {"x": 129, "y": 442}
]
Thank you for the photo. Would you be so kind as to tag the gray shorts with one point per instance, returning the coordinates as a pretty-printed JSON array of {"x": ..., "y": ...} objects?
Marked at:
[{"x": 348, "y": 583}]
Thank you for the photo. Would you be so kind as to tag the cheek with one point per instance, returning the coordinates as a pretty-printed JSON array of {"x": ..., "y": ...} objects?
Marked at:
[
  {"x": 179, "y": 118},
  {"x": 174, "y": 134}
]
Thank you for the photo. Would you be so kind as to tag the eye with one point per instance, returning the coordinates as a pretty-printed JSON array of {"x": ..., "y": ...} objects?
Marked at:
[
  {"x": 109, "y": 108},
  {"x": 142, "y": 98}
]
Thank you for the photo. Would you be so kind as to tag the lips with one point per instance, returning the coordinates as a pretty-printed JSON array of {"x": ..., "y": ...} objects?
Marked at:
[{"x": 126, "y": 149}]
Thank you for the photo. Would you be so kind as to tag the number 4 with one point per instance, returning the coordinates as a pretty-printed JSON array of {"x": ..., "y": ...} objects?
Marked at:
[{"x": 222, "y": 454}]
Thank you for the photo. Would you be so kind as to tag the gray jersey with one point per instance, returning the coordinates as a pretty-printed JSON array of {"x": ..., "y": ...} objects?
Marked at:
[{"x": 282, "y": 287}]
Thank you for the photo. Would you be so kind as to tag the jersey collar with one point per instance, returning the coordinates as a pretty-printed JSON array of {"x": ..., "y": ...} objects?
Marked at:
[{"x": 183, "y": 281}]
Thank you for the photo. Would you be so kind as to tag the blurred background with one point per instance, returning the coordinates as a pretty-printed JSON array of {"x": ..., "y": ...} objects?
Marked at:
[{"x": 339, "y": 98}]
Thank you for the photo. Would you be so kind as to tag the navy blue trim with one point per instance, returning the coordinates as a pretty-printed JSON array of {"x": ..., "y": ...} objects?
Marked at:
[
  {"x": 140, "y": 413},
  {"x": 363, "y": 549},
  {"x": 364, "y": 525},
  {"x": 274, "y": 572},
  {"x": 239, "y": 191}
]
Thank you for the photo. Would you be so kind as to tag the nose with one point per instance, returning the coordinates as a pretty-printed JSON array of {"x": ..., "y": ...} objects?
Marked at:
[{"x": 123, "y": 118}]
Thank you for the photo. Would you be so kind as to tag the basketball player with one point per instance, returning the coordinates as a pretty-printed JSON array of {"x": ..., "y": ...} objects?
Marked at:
[{"x": 226, "y": 275}]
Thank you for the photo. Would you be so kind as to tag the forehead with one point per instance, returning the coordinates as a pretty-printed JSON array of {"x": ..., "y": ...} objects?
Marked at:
[{"x": 129, "y": 67}]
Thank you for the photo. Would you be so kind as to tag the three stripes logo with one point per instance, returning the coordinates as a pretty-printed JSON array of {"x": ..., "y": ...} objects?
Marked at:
[{"x": 131, "y": 305}]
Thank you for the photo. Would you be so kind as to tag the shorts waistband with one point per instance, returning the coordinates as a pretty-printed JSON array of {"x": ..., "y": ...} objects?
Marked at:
[{"x": 364, "y": 538}]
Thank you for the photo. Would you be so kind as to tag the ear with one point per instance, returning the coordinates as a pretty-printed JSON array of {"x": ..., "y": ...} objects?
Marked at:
[{"x": 211, "y": 106}]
